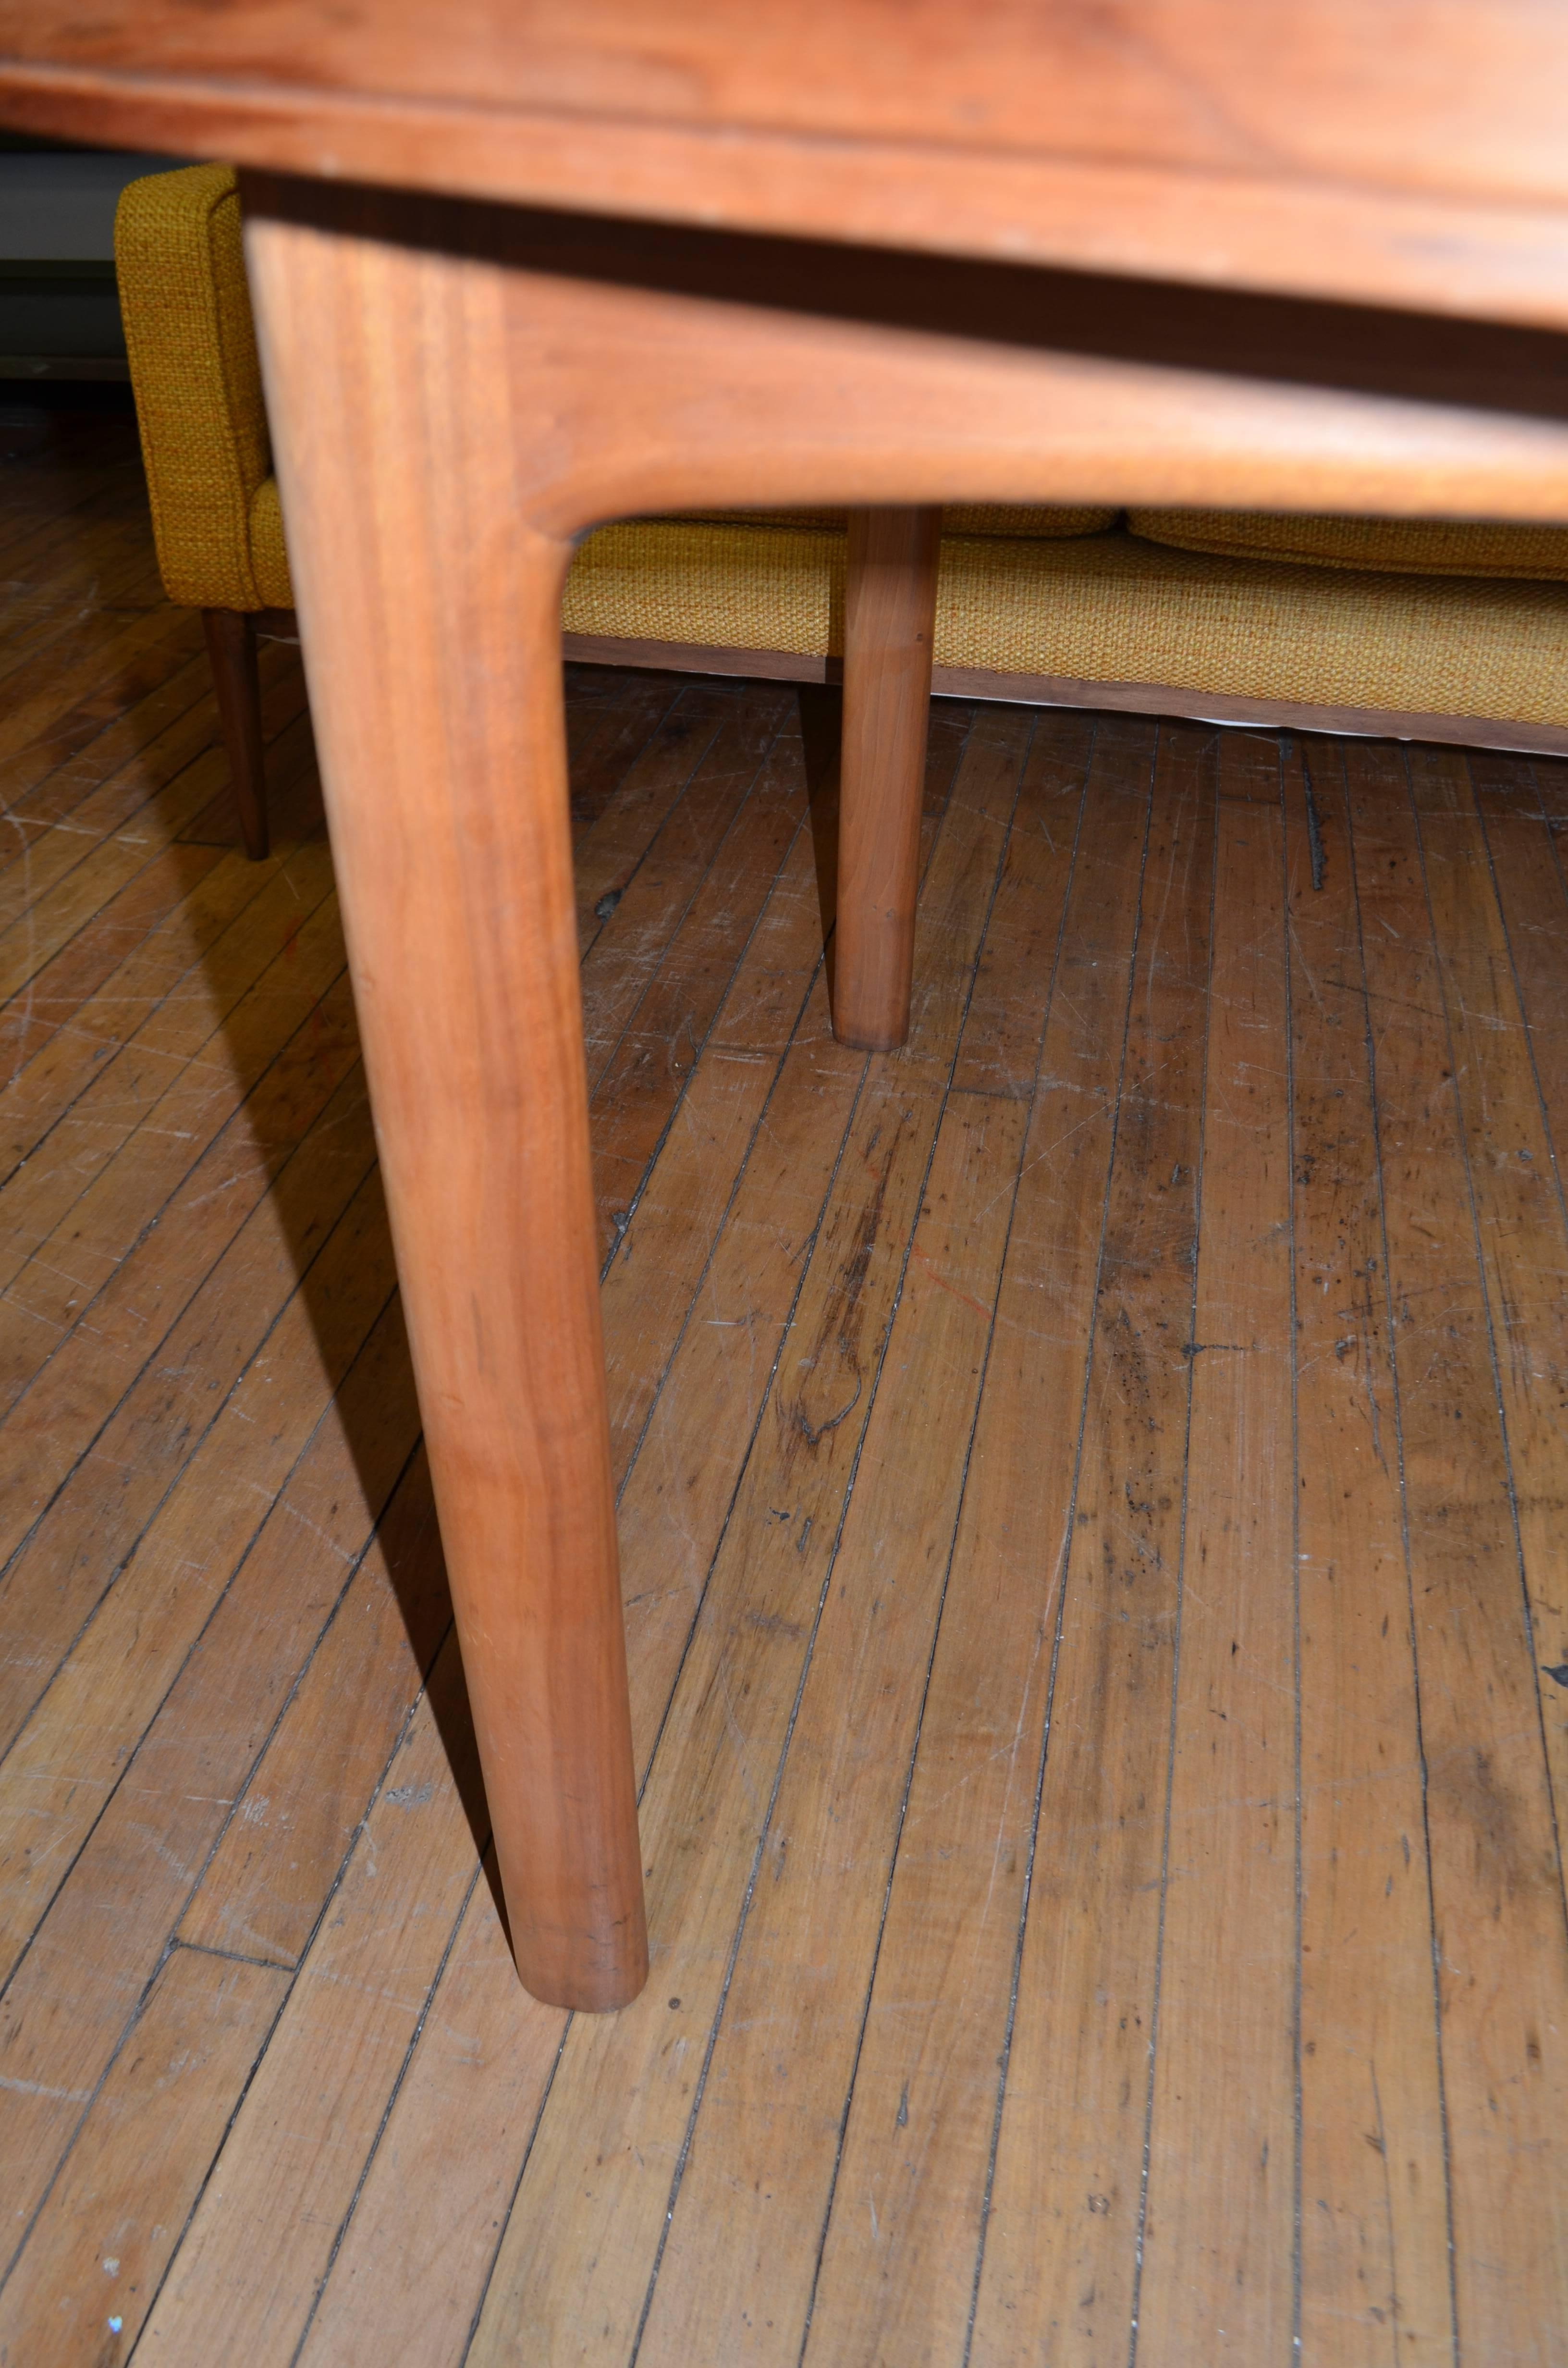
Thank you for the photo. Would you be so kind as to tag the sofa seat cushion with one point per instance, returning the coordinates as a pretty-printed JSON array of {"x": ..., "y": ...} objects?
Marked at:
[
  {"x": 1384, "y": 546},
  {"x": 963, "y": 518},
  {"x": 1108, "y": 608}
]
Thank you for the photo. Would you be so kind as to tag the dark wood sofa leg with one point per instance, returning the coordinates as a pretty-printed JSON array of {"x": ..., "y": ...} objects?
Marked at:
[
  {"x": 888, "y": 616},
  {"x": 231, "y": 646}
]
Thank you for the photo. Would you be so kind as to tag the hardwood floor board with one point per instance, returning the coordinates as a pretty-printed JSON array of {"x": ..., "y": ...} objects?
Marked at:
[
  {"x": 114, "y": 760},
  {"x": 42, "y": 526},
  {"x": 1543, "y": 780},
  {"x": 93, "y": 1709},
  {"x": 759, "y": 1285},
  {"x": 413, "y": 2261},
  {"x": 697, "y": 1184},
  {"x": 106, "y": 575},
  {"x": 1000, "y": 1052},
  {"x": 1532, "y": 900},
  {"x": 1249, "y": 765},
  {"x": 119, "y": 799},
  {"x": 897, "y": 2269},
  {"x": 613, "y": 848},
  {"x": 644, "y": 1074},
  {"x": 97, "y": 2252},
  {"x": 43, "y": 787},
  {"x": 1218, "y": 2246},
  {"x": 98, "y": 646},
  {"x": 261, "y": 2240},
  {"x": 155, "y": 889},
  {"x": 736, "y": 2277},
  {"x": 68, "y": 2002},
  {"x": 1495, "y": 1879},
  {"x": 1080, "y": 1812},
  {"x": 294, "y": 797},
  {"x": 717, "y": 1380},
  {"x": 605, "y": 735},
  {"x": 794, "y": 2032},
  {"x": 43, "y": 948},
  {"x": 150, "y": 991},
  {"x": 44, "y": 501},
  {"x": 723, "y": 1363},
  {"x": 582, "y": 2237},
  {"x": 128, "y": 1462},
  {"x": 165, "y": 1000},
  {"x": 621, "y": 968},
  {"x": 194, "y": 1079},
  {"x": 78, "y": 1335},
  {"x": 1374, "y": 2216},
  {"x": 1521, "y": 1232},
  {"x": 268, "y": 1878},
  {"x": 99, "y": 579},
  {"x": 1505, "y": 784}
]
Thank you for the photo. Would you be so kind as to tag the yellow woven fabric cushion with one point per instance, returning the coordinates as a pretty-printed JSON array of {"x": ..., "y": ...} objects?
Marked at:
[
  {"x": 193, "y": 368},
  {"x": 270, "y": 561},
  {"x": 1017, "y": 518},
  {"x": 745, "y": 586},
  {"x": 1107, "y": 608},
  {"x": 1386, "y": 546}
]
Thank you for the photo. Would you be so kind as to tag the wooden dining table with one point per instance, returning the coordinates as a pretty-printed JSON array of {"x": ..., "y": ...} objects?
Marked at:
[{"x": 519, "y": 269}]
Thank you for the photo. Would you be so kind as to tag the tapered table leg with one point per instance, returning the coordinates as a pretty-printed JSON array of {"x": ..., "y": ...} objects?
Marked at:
[
  {"x": 889, "y": 613},
  {"x": 430, "y": 618}
]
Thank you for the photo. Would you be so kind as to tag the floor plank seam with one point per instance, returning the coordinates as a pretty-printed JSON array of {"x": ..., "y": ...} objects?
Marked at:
[
  {"x": 1436, "y": 1945},
  {"x": 1141, "y": 2223},
  {"x": 1317, "y": 861},
  {"x": 232, "y": 1956}
]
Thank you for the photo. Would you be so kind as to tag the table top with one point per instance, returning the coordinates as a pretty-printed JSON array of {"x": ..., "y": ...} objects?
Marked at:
[{"x": 1397, "y": 151}]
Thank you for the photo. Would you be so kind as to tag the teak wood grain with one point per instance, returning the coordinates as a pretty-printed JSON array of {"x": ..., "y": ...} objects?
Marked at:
[{"x": 1415, "y": 157}]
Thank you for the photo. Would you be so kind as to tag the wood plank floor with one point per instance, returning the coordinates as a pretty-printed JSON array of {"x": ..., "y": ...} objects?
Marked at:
[{"x": 1092, "y": 1503}]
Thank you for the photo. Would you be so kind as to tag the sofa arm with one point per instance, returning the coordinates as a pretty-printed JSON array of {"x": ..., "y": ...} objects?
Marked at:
[{"x": 191, "y": 341}]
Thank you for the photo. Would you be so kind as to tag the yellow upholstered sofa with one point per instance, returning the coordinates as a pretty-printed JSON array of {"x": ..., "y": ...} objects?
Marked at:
[{"x": 1422, "y": 630}]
